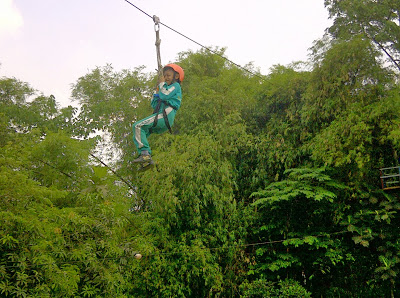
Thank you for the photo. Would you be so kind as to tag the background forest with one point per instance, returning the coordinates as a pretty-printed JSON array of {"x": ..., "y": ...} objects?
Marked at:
[{"x": 268, "y": 187}]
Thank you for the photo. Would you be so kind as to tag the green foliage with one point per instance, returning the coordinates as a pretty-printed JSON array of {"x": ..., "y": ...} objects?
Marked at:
[
  {"x": 281, "y": 98},
  {"x": 14, "y": 91},
  {"x": 24, "y": 113},
  {"x": 377, "y": 21},
  {"x": 300, "y": 211},
  {"x": 110, "y": 100},
  {"x": 359, "y": 140},
  {"x": 213, "y": 93},
  {"x": 300, "y": 182},
  {"x": 191, "y": 211},
  {"x": 350, "y": 73},
  {"x": 266, "y": 188},
  {"x": 48, "y": 250},
  {"x": 314, "y": 214},
  {"x": 58, "y": 160},
  {"x": 265, "y": 288}
]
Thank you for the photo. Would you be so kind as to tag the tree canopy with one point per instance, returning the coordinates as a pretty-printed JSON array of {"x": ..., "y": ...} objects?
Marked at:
[{"x": 266, "y": 188}]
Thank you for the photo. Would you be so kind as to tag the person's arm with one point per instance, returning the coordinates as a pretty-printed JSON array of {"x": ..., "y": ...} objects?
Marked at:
[
  {"x": 156, "y": 96},
  {"x": 154, "y": 100}
]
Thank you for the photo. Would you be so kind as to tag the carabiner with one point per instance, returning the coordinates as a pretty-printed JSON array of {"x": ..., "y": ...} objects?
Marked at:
[{"x": 156, "y": 20}]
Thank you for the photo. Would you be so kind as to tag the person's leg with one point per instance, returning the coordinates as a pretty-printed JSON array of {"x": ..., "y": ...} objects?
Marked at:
[{"x": 141, "y": 131}]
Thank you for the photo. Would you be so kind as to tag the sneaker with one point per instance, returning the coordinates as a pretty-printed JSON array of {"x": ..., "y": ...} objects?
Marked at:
[
  {"x": 143, "y": 159},
  {"x": 146, "y": 166}
]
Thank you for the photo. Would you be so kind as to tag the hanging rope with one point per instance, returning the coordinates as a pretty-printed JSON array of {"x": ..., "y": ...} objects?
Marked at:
[{"x": 158, "y": 42}]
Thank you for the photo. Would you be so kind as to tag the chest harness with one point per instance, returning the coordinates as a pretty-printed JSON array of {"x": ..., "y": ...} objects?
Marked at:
[{"x": 165, "y": 116}]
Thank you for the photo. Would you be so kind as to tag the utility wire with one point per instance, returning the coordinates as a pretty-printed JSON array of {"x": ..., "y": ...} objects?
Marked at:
[
  {"x": 247, "y": 244},
  {"x": 182, "y": 253},
  {"x": 54, "y": 167},
  {"x": 199, "y": 44},
  {"x": 132, "y": 187}
]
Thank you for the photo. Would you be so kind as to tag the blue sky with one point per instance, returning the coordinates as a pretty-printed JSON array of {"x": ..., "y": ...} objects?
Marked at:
[{"x": 50, "y": 44}]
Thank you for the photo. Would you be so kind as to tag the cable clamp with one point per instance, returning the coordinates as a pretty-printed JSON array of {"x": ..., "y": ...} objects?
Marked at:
[{"x": 156, "y": 20}]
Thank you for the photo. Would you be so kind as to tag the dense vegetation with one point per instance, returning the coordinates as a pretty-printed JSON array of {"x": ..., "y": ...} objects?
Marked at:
[{"x": 267, "y": 188}]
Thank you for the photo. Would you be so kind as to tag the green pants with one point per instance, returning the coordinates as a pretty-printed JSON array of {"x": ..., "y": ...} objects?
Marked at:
[{"x": 141, "y": 129}]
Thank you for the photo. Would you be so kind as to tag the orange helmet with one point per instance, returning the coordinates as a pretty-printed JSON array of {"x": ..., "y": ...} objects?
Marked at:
[{"x": 177, "y": 69}]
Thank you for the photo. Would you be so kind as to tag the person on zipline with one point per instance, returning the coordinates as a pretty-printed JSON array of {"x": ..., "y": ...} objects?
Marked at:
[{"x": 166, "y": 102}]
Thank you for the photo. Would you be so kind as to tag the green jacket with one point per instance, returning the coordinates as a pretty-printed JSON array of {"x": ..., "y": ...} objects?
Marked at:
[{"x": 172, "y": 94}]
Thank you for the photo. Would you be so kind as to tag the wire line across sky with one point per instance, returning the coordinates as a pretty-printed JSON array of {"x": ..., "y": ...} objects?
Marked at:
[{"x": 199, "y": 44}]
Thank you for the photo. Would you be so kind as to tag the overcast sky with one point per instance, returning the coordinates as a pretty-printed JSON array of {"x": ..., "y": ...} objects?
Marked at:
[{"x": 50, "y": 43}]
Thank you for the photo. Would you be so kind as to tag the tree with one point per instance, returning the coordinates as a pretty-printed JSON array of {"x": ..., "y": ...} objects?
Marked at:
[
  {"x": 25, "y": 110},
  {"x": 350, "y": 73},
  {"x": 62, "y": 222},
  {"x": 264, "y": 188},
  {"x": 212, "y": 90},
  {"x": 378, "y": 21},
  {"x": 191, "y": 211}
]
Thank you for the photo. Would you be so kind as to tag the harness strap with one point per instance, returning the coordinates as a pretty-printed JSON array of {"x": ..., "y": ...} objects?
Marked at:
[
  {"x": 166, "y": 121},
  {"x": 156, "y": 111},
  {"x": 165, "y": 116}
]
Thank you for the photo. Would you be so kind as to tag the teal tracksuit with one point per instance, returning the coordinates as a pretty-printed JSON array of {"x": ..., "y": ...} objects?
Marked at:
[{"x": 170, "y": 97}]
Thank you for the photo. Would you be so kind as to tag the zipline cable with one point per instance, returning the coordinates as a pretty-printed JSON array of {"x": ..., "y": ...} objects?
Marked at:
[{"x": 199, "y": 44}]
